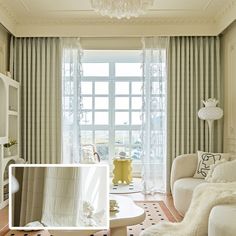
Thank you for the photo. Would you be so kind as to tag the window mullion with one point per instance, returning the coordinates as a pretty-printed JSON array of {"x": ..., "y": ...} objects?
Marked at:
[
  {"x": 93, "y": 111},
  {"x": 130, "y": 117},
  {"x": 112, "y": 111}
]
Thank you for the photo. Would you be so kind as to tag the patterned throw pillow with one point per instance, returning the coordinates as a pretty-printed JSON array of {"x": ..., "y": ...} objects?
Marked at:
[{"x": 205, "y": 160}]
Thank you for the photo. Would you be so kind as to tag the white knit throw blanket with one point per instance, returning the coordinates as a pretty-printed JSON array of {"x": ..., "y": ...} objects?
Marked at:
[{"x": 195, "y": 222}]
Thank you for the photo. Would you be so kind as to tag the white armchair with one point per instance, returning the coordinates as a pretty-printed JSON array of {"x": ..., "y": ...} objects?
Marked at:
[
  {"x": 184, "y": 166},
  {"x": 182, "y": 181},
  {"x": 182, "y": 187}
]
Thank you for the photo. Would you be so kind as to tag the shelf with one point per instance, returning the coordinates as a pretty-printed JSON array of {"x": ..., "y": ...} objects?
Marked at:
[
  {"x": 10, "y": 157},
  {"x": 3, "y": 140},
  {"x": 13, "y": 154},
  {"x": 12, "y": 113},
  {"x": 9, "y": 130},
  {"x": 13, "y": 98}
]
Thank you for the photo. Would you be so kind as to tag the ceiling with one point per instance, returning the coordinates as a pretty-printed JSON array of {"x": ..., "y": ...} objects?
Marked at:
[{"x": 77, "y": 18}]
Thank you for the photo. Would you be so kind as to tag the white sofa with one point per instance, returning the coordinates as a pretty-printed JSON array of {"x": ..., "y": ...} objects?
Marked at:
[{"x": 222, "y": 217}]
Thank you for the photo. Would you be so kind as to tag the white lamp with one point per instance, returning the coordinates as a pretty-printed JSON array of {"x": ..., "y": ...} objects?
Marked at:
[{"x": 210, "y": 113}]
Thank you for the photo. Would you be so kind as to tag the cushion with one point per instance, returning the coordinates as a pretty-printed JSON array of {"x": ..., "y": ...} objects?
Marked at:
[
  {"x": 212, "y": 168},
  {"x": 222, "y": 172},
  {"x": 222, "y": 221},
  {"x": 182, "y": 193},
  {"x": 205, "y": 160}
]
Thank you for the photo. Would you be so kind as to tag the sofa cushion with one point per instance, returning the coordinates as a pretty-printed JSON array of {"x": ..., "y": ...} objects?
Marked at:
[
  {"x": 205, "y": 160},
  {"x": 182, "y": 194},
  {"x": 222, "y": 221},
  {"x": 212, "y": 168},
  {"x": 222, "y": 172}
]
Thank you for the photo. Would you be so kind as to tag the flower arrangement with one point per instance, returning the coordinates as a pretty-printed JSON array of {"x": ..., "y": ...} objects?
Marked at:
[{"x": 11, "y": 143}]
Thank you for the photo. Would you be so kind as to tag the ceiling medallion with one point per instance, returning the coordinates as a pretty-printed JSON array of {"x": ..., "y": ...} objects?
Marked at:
[{"x": 121, "y": 8}]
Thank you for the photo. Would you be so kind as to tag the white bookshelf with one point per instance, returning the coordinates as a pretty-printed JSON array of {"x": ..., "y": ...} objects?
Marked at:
[{"x": 9, "y": 129}]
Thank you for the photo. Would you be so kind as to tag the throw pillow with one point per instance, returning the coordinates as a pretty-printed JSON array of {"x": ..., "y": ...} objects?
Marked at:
[
  {"x": 212, "y": 168},
  {"x": 225, "y": 172},
  {"x": 205, "y": 160}
]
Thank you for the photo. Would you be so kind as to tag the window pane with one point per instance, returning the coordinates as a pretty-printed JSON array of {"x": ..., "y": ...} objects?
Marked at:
[
  {"x": 101, "y": 141},
  {"x": 86, "y": 87},
  {"x": 101, "y": 103},
  {"x": 95, "y": 69},
  {"x": 87, "y": 102},
  {"x": 137, "y": 103},
  {"x": 119, "y": 149},
  {"x": 128, "y": 69},
  {"x": 158, "y": 88},
  {"x": 136, "y": 145},
  {"x": 68, "y": 103},
  {"x": 67, "y": 69},
  {"x": 122, "y": 103},
  {"x": 122, "y": 118},
  {"x": 103, "y": 151},
  {"x": 101, "y": 136},
  {"x": 122, "y": 87},
  {"x": 86, "y": 118},
  {"x": 86, "y": 137},
  {"x": 122, "y": 137},
  {"x": 68, "y": 117},
  {"x": 101, "y": 118},
  {"x": 158, "y": 121},
  {"x": 136, "y": 87},
  {"x": 136, "y": 138},
  {"x": 157, "y": 103},
  {"x": 158, "y": 69},
  {"x": 136, "y": 118},
  {"x": 68, "y": 88},
  {"x": 101, "y": 87}
]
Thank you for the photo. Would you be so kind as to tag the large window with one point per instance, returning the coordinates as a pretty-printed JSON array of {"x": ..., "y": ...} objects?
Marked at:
[{"x": 112, "y": 100}]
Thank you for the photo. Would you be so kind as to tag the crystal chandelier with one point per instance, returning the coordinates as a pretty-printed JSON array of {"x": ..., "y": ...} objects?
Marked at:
[{"x": 121, "y": 8}]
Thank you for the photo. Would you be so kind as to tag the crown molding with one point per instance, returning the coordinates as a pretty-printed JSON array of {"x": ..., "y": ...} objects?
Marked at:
[
  {"x": 226, "y": 16},
  {"x": 133, "y": 21},
  {"x": 8, "y": 13},
  {"x": 7, "y": 19},
  {"x": 224, "y": 11},
  {"x": 114, "y": 30},
  {"x": 96, "y": 26}
]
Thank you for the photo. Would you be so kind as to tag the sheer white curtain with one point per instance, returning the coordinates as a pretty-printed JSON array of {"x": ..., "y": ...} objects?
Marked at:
[
  {"x": 154, "y": 114},
  {"x": 71, "y": 99}
]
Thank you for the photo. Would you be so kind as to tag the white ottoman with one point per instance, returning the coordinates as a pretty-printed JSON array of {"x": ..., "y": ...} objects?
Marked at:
[{"x": 222, "y": 221}]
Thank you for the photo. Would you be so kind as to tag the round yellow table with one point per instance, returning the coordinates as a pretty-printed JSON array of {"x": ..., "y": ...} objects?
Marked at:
[{"x": 122, "y": 172}]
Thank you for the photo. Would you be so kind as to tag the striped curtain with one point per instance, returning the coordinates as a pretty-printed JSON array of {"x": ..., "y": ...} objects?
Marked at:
[
  {"x": 32, "y": 195},
  {"x": 194, "y": 75},
  {"x": 35, "y": 63}
]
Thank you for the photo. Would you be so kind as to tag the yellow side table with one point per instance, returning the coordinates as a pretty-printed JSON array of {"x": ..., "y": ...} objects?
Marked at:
[{"x": 122, "y": 172}]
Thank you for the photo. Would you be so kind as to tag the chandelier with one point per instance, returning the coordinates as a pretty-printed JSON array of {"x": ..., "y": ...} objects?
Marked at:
[{"x": 121, "y": 8}]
